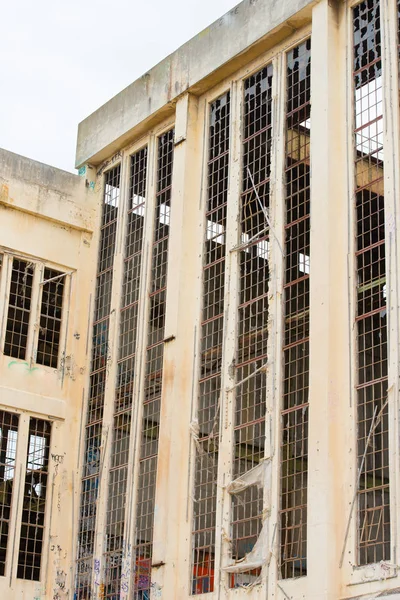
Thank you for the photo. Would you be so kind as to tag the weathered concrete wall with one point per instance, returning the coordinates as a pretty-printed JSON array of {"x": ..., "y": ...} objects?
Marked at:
[
  {"x": 51, "y": 215},
  {"x": 48, "y": 216},
  {"x": 242, "y": 33},
  {"x": 217, "y": 60},
  {"x": 49, "y": 193}
]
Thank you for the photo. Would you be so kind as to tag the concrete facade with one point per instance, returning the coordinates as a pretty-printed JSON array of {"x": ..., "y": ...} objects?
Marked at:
[
  {"x": 233, "y": 420},
  {"x": 48, "y": 219}
]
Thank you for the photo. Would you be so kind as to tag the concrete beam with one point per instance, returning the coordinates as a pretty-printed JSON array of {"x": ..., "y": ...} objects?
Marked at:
[
  {"x": 32, "y": 187},
  {"x": 240, "y": 35}
]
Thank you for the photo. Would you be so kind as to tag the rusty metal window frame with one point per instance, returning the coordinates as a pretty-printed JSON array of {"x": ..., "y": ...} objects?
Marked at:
[
  {"x": 34, "y": 501},
  {"x": 205, "y": 428},
  {"x": 142, "y": 546},
  {"x": 92, "y": 459},
  {"x": 9, "y": 424},
  {"x": 28, "y": 351},
  {"x": 50, "y": 316},
  {"x": 373, "y": 539},
  {"x": 294, "y": 408},
  {"x": 135, "y": 215},
  {"x": 252, "y": 314},
  {"x": 19, "y": 308}
]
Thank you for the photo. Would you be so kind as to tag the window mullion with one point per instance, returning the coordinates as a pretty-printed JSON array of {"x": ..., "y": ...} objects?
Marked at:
[
  {"x": 66, "y": 306},
  {"x": 227, "y": 398},
  {"x": 5, "y": 277},
  {"x": 18, "y": 495},
  {"x": 128, "y": 572},
  {"x": 34, "y": 317}
]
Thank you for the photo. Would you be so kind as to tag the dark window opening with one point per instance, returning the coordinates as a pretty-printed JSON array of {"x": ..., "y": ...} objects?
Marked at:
[
  {"x": 212, "y": 322},
  {"x": 8, "y": 452},
  {"x": 50, "y": 318},
  {"x": 294, "y": 411},
  {"x": 34, "y": 500},
  {"x": 19, "y": 308}
]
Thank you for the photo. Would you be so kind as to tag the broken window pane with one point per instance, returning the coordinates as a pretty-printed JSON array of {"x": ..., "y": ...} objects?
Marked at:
[
  {"x": 371, "y": 318},
  {"x": 99, "y": 359},
  {"x": 50, "y": 318},
  {"x": 150, "y": 426},
  {"x": 34, "y": 500},
  {"x": 118, "y": 477},
  {"x": 8, "y": 451},
  {"x": 251, "y": 350},
  {"x": 294, "y": 414},
  {"x": 212, "y": 324}
]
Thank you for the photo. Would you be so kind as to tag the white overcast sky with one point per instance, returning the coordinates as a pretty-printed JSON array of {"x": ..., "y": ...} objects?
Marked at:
[{"x": 60, "y": 61}]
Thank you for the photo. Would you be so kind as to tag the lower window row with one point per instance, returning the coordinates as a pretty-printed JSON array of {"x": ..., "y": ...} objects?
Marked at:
[{"x": 26, "y": 459}]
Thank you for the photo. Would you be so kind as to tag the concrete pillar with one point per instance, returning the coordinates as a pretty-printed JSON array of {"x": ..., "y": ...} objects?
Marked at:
[
  {"x": 172, "y": 515},
  {"x": 329, "y": 314}
]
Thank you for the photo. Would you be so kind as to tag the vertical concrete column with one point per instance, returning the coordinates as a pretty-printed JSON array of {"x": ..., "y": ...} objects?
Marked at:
[
  {"x": 329, "y": 323},
  {"x": 172, "y": 525}
]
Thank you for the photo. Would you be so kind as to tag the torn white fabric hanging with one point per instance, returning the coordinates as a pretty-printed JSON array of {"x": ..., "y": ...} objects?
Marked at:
[
  {"x": 256, "y": 476},
  {"x": 254, "y": 559}
]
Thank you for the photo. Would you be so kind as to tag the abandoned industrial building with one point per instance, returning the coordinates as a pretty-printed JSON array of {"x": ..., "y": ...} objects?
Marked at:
[{"x": 199, "y": 341}]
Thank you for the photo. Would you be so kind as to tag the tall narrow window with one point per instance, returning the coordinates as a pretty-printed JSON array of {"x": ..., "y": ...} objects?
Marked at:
[
  {"x": 8, "y": 452},
  {"x": 371, "y": 317},
  {"x": 150, "y": 428},
  {"x": 34, "y": 500},
  {"x": 100, "y": 355},
  {"x": 19, "y": 309},
  {"x": 126, "y": 375},
  {"x": 251, "y": 350},
  {"x": 212, "y": 323},
  {"x": 50, "y": 318},
  {"x": 294, "y": 416}
]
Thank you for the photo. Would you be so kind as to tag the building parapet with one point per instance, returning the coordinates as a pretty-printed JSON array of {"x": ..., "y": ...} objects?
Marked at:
[{"x": 244, "y": 32}]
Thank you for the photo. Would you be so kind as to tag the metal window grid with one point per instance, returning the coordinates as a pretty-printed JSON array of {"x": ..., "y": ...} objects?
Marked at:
[
  {"x": 294, "y": 413},
  {"x": 212, "y": 322},
  {"x": 373, "y": 522},
  {"x": 8, "y": 451},
  {"x": 251, "y": 350},
  {"x": 94, "y": 418},
  {"x": 115, "y": 527},
  {"x": 50, "y": 318},
  {"x": 34, "y": 500},
  {"x": 19, "y": 308},
  {"x": 150, "y": 427}
]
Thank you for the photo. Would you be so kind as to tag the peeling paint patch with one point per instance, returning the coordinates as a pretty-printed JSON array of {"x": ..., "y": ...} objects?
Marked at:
[
  {"x": 4, "y": 193},
  {"x": 156, "y": 590}
]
